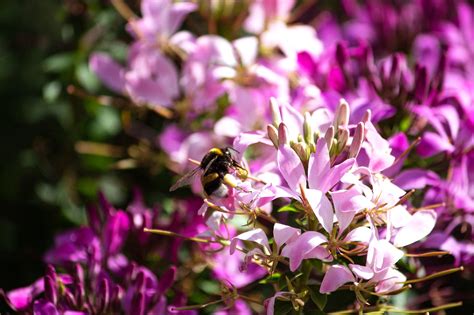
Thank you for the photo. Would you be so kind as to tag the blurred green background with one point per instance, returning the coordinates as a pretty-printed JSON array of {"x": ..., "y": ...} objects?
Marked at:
[{"x": 44, "y": 182}]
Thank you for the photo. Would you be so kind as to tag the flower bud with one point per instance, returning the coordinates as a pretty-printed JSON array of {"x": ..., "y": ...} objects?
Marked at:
[
  {"x": 329, "y": 136},
  {"x": 272, "y": 133},
  {"x": 93, "y": 217},
  {"x": 367, "y": 116},
  {"x": 307, "y": 130},
  {"x": 357, "y": 140},
  {"x": 68, "y": 298},
  {"x": 300, "y": 149},
  {"x": 50, "y": 290},
  {"x": 51, "y": 272},
  {"x": 138, "y": 304},
  {"x": 282, "y": 135},
  {"x": 140, "y": 280},
  {"x": 275, "y": 110},
  {"x": 421, "y": 83},
  {"x": 341, "y": 54},
  {"x": 167, "y": 280},
  {"x": 79, "y": 293},
  {"x": 341, "y": 118},
  {"x": 342, "y": 137},
  {"x": 116, "y": 299},
  {"x": 103, "y": 295}
]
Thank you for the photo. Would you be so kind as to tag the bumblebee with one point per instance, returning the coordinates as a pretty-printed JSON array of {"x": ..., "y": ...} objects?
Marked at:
[{"x": 215, "y": 167}]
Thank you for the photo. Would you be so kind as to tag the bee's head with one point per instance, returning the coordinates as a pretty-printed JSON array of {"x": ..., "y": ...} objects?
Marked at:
[
  {"x": 229, "y": 152},
  {"x": 226, "y": 152}
]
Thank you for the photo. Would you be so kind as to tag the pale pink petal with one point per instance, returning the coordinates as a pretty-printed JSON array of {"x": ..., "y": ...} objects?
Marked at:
[
  {"x": 389, "y": 280},
  {"x": 361, "y": 234},
  {"x": 321, "y": 207},
  {"x": 318, "y": 166},
  {"x": 290, "y": 167},
  {"x": 382, "y": 255},
  {"x": 256, "y": 236},
  {"x": 178, "y": 12},
  {"x": 362, "y": 272},
  {"x": 398, "y": 216},
  {"x": 270, "y": 303},
  {"x": 246, "y": 139},
  {"x": 378, "y": 149},
  {"x": 284, "y": 234},
  {"x": 247, "y": 48},
  {"x": 337, "y": 172},
  {"x": 420, "y": 225},
  {"x": 346, "y": 204},
  {"x": 350, "y": 200},
  {"x": 336, "y": 276},
  {"x": 297, "y": 250},
  {"x": 293, "y": 120},
  {"x": 108, "y": 71},
  {"x": 227, "y": 127}
]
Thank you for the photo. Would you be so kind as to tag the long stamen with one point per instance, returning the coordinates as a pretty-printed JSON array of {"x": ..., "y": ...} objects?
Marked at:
[
  {"x": 435, "y": 275},
  {"x": 196, "y": 306},
  {"x": 428, "y": 254},
  {"x": 169, "y": 233},
  {"x": 404, "y": 153}
]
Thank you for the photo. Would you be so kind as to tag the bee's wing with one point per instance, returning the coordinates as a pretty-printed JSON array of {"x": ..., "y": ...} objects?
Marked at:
[
  {"x": 209, "y": 164},
  {"x": 185, "y": 179}
]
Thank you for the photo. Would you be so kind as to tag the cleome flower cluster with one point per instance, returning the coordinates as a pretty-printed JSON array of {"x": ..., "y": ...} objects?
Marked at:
[{"x": 351, "y": 129}]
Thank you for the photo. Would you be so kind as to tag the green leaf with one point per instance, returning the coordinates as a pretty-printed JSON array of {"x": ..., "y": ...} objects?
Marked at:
[
  {"x": 318, "y": 298},
  {"x": 51, "y": 91},
  {"x": 59, "y": 62},
  {"x": 271, "y": 278},
  {"x": 210, "y": 287},
  {"x": 288, "y": 208},
  {"x": 87, "y": 78},
  {"x": 405, "y": 123},
  {"x": 106, "y": 123}
]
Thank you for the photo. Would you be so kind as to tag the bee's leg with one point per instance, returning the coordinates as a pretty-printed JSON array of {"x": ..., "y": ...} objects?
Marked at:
[{"x": 230, "y": 180}]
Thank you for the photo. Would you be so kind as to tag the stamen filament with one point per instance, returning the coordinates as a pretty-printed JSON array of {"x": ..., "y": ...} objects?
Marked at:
[
  {"x": 196, "y": 306},
  {"x": 435, "y": 275},
  {"x": 169, "y": 233},
  {"x": 429, "y": 254}
]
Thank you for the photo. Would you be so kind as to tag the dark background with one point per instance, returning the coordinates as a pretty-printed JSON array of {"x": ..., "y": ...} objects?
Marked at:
[{"x": 44, "y": 183}]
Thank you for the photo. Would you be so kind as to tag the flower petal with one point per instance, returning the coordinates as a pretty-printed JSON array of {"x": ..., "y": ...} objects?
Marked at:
[
  {"x": 297, "y": 250},
  {"x": 108, "y": 71},
  {"x": 362, "y": 272},
  {"x": 290, "y": 167},
  {"x": 420, "y": 225},
  {"x": 256, "y": 236},
  {"x": 284, "y": 233},
  {"x": 335, "y": 277},
  {"x": 321, "y": 207}
]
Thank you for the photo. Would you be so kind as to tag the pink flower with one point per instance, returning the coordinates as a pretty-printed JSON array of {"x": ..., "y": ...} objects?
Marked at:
[
  {"x": 160, "y": 19},
  {"x": 306, "y": 246},
  {"x": 150, "y": 78}
]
